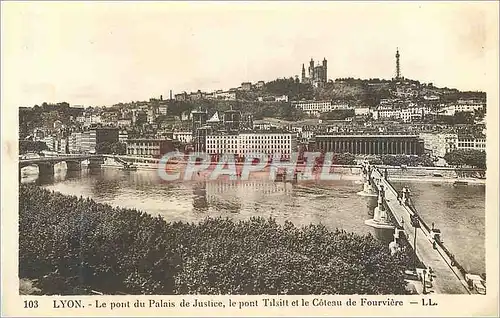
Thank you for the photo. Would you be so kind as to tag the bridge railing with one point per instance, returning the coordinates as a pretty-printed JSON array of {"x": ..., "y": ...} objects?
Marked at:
[{"x": 410, "y": 208}]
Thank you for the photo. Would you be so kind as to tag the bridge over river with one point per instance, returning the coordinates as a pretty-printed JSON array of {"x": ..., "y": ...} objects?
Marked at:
[{"x": 448, "y": 276}]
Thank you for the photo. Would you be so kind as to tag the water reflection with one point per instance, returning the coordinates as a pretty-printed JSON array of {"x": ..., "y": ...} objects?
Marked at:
[
  {"x": 200, "y": 202},
  {"x": 459, "y": 212}
]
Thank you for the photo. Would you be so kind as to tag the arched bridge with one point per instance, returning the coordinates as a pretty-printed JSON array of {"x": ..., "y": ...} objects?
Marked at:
[{"x": 73, "y": 162}]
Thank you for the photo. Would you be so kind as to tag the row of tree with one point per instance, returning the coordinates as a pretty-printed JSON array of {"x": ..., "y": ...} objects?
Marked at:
[
  {"x": 72, "y": 244},
  {"x": 466, "y": 158},
  {"x": 403, "y": 160}
]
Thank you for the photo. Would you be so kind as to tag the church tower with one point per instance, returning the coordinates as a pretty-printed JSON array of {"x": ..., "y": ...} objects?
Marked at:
[
  {"x": 311, "y": 69},
  {"x": 325, "y": 76},
  {"x": 303, "y": 79}
]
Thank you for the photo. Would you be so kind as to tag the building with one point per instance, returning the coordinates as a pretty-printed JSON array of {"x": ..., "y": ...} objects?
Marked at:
[
  {"x": 317, "y": 75},
  {"x": 51, "y": 142},
  {"x": 232, "y": 120},
  {"x": 411, "y": 114},
  {"x": 225, "y": 95},
  {"x": 150, "y": 148},
  {"x": 283, "y": 98},
  {"x": 246, "y": 121},
  {"x": 361, "y": 111},
  {"x": 313, "y": 107},
  {"x": 199, "y": 132},
  {"x": 464, "y": 105},
  {"x": 63, "y": 145},
  {"x": 467, "y": 142},
  {"x": 139, "y": 117},
  {"x": 405, "y": 114},
  {"x": 246, "y": 86},
  {"x": 163, "y": 109},
  {"x": 339, "y": 105},
  {"x": 243, "y": 144},
  {"x": 370, "y": 144},
  {"x": 261, "y": 124},
  {"x": 123, "y": 136},
  {"x": 181, "y": 97},
  {"x": 470, "y": 105},
  {"x": 183, "y": 136},
  {"x": 122, "y": 123},
  {"x": 260, "y": 84},
  {"x": 75, "y": 142},
  {"x": 151, "y": 115},
  {"x": 91, "y": 138},
  {"x": 89, "y": 119},
  {"x": 439, "y": 144},
  {"x": 196, "y": 95}
]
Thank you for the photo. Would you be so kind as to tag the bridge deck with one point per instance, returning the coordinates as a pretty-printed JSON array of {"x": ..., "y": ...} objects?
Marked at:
[
  {"x": 55, "y": 159},
  {"x": 448, "y": 279}
]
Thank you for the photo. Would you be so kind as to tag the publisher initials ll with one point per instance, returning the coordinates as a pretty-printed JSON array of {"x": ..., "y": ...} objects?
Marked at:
[{"x": 428, "y": 302}]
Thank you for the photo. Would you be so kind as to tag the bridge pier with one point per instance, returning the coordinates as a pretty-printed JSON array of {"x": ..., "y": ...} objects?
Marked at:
[
  {"x": 73, "y": 165},
  {"x": 95, "y": 163},
  {"x": 45, "y": 169},
  {"x": 369, "y": 189},
  {"x": 381, "y": 218}
]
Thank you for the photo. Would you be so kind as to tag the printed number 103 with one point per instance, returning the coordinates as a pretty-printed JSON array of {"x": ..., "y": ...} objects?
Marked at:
[{"x": 31, "y": 304}]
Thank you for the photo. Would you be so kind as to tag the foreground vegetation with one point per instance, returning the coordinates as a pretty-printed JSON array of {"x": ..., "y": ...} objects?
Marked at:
[{"x": 74, "y": 245}]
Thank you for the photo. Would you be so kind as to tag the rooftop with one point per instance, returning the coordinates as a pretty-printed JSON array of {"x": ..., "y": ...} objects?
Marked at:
[{"x": 369, "y": 136}]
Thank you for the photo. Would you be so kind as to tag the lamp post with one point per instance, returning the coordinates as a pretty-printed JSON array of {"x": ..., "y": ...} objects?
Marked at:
[
  {"x": 416, "y": 224},
  {"x": 424, "y": 273}
]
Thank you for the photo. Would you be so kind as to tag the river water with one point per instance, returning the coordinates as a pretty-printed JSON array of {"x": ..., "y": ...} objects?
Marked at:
[{"x": 457, "y": 211}]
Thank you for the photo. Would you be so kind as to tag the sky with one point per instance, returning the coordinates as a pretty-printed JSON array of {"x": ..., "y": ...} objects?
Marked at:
[{"x": 96, "y": 54}]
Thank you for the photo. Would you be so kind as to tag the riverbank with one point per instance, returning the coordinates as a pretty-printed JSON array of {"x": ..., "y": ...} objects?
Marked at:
[{"x": 349, "y": 172}]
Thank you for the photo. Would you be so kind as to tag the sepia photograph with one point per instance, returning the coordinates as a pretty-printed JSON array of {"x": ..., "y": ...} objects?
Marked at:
[{"x": 272, "y": 149}]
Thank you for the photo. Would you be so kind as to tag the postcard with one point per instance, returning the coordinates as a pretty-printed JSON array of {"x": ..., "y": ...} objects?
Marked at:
[{"x": 250, "y": 159}]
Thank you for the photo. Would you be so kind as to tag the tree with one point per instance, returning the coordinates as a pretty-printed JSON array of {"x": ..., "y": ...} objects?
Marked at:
[
  {"x": 115, "y": 250},
  {"x": 464, "y": 118},
  {"x": 294, "y": 90},
  {"x": 31, "y": 146},
  {"x": 466, "y": 157},
  {"x": 339, "y": 114}
]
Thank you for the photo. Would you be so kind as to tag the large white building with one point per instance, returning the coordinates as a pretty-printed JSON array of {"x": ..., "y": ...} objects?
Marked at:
[
  {"x": 89, "y": 142},
  {"x": 312, "y": 107},
  {"x": 183, "y": 136},
  {"x": 470, "y": 142},
  {"x": 361, "y": 111},
  {"x": 248, "y": 143},
  {"x": 406, "y": 115},
  {"x": 225, "y": 95},
  {"x": 149, "y": 147},
  {"x": 441, "y": 143},
  {"x": 339, "y": 105},
  {"x": 464, "y": 105},
  {"x": 438, "y": 143},
  {"x": 75, "y": 142}
]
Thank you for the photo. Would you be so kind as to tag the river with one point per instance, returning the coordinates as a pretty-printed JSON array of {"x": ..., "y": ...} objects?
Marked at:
[{"x": 457, "y": 210}]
